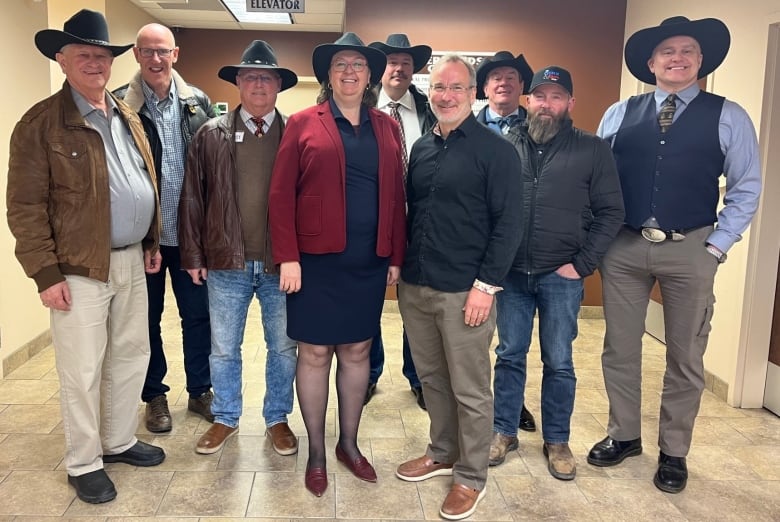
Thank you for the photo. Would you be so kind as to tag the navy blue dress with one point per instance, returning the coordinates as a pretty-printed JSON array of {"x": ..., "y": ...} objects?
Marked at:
[{"x": 342, "y": 294}]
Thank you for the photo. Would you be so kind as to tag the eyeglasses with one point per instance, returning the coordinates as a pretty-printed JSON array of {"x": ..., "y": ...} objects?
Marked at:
[
  {"x": 342, "y": 66},
  {"x": 146, "y": 52},
  {"x": 457, "y": 90},
  {"x": 262, "y": 78}
]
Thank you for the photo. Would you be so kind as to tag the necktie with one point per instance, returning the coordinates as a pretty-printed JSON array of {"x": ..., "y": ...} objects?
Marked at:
[
  {"x": 505, "y": 123},
  {"x": 259, "y": 122},
  {"x": 666, "y": 115},
  {"x": 396, "y": 115}
]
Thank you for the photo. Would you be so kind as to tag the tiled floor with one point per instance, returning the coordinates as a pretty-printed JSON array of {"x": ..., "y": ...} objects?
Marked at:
[{"x": 734, "y": 464}]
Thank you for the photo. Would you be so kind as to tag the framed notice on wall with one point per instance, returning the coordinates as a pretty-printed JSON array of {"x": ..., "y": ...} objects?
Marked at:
[{"x": 421, "y": 79}]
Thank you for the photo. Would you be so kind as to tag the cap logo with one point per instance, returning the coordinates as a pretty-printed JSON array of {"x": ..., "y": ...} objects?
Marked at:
[{"x": 551, "y": 75}]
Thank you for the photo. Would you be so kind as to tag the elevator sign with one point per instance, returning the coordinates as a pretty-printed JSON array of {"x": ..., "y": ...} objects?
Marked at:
[{"x": 274, "y": 6}]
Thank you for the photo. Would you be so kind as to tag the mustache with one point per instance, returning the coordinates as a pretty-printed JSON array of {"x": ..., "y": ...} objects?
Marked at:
[{"x": 400, "y": 75}]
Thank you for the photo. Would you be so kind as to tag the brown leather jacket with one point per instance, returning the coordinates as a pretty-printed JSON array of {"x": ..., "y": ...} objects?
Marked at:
[
  {"x": 209, "y": 220},
  {"x": 58, "y": 196}
]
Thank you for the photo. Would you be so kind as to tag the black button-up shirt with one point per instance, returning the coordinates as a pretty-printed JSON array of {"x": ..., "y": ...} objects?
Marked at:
[{"x": 464, "y": 216}]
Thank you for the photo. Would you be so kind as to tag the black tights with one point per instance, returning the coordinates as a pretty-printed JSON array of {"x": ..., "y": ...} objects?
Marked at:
[{"x": 311, "y": 381}]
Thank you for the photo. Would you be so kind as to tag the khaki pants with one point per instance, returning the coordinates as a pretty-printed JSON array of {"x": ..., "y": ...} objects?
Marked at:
[
  {"x": 453, "y": 364},
  {"x": 685, "y": 272},
  {"x": 101, "y": 348}
]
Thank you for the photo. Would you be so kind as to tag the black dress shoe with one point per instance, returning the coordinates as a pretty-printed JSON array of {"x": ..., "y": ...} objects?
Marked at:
[
  {"x": 610, "y": 452},
  {"x": 417, "y": 391},
  {"x": 370, "y": 391},
  {"x": 141, "y": 454},
  {"x": 94, "y": 487},
  {"x": 527, "y": 422},
  {"x": 672, "y": 474}
]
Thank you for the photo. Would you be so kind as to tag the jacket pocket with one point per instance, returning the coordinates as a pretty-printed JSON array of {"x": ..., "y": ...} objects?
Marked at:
[
  {"x": 70, "y": 169},
  {"x": 309, "y": 218}
]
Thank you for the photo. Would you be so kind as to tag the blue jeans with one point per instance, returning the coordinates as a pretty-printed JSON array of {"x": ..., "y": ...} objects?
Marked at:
[
  {"x": 193, "y": 304},
  {"x": 230, "y": 294},
  {"x": 558, "y": 301},
  {"x": 377, "y": 360}
]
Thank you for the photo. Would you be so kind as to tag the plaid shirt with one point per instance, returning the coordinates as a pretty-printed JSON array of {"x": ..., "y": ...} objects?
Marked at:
[{"x": 166, "y": 115}]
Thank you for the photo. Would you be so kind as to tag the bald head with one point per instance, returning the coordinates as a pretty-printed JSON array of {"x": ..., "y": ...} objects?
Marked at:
[{"x": 155, "y": 51}]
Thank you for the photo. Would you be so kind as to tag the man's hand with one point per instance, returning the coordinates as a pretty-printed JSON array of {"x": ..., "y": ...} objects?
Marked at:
[
  {"x": 478, "y": 306},
  {"x": 567, "y": 271},
  {"x": 152, "y": 263},
  {"x": 393, "y": 273},
  {"x": 198, "y": 275},
  {"x": 57, "y": 297},
  {"x": 290, "y": 277}
]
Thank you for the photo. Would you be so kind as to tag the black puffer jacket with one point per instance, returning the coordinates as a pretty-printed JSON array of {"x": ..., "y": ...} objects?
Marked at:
[{"x": 572, "y": 204}]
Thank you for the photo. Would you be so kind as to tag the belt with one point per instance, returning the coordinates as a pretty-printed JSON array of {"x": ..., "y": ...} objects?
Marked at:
[
  {"x": 656, "y": 235},
  {"x": 119, "y": 249}
]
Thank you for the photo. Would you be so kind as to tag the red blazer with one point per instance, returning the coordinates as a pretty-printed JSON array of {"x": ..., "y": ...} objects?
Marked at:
[{"x": 307, "y": 208}]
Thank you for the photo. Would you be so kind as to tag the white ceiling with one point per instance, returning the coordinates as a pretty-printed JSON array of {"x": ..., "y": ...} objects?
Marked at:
[{"x": 320, "y": 16}]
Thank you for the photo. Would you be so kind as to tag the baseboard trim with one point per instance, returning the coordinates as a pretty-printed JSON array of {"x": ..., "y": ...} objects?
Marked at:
[
  {"x": 717, "y": 386},
  {"x": 26, "y": 352}
]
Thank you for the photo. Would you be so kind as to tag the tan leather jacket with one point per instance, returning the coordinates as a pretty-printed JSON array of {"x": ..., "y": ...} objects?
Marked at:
[
  {"x": 58, "y": 194},
  {"x": 209, "y": 220}
]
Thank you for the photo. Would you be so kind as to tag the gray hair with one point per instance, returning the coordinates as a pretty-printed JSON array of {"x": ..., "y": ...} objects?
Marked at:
[{"x": 456, "y": 58}]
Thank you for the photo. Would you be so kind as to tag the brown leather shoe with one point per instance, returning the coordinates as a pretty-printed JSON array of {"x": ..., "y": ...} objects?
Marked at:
[
  {"x": 360, "y": 467},
  {"x": 422, "y": 468},
  {"x": 202, "y": 405},
  {"x": 461, "y": 502},
  {"x": 213, "y": 440},
  {"x": 158, "y": 415},
  {"x": 500, "y": 446},
  {"x": 283, "y": 439},
  {"x": 316, "y": 480},
  {"x": 560, "y": 461}
]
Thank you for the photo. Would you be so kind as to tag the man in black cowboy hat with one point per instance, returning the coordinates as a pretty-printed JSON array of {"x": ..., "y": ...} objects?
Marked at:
[
  {"x": 410, "y": 108},
  {"x": 82, "y": 206},
  {"x": 223, "y": 236},
  {"x": 171, "y": 111},
  {"x": 501, "y": 80},
  {"x": 671, "y": 147},
  {"x": 573, "y": 175}
]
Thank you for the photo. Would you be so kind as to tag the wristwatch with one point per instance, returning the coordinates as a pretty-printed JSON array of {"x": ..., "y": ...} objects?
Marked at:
[{"x": 720, "y": 256}]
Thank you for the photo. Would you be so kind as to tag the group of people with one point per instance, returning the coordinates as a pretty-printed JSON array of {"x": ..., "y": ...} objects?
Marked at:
[{"x": 483, "y": 221}]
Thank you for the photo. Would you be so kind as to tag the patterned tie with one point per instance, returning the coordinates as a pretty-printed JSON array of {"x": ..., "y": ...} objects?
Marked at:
[
  {"x": 259, "y": 122},
  {"x": 397, "y": 117},
  {"x": 666, "y": 115},
  {"x": 506, "y": 123}
]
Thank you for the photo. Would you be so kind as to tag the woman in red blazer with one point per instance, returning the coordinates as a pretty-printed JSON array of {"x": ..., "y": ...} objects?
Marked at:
[{"x": 337, "y": 216}]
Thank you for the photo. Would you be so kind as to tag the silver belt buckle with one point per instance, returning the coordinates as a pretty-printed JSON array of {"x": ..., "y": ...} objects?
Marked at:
[{"x": 654, "y": 235}]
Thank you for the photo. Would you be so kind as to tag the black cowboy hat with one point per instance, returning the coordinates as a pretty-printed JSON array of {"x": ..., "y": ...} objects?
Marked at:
[
  {"x": 85, "y": 27},
  {"x": 399, "y": 43},
  {"x": 323, "y": 54},
  {"x": 503, "y": 59},
  {"x": 259, "y": 55},
  {"x": 712, "y": 34}
]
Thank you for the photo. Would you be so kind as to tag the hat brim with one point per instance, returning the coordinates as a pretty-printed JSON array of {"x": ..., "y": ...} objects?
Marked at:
[
  {"x": 229, "y": 72},
  {"x": 51, "y": 41},
  {"x": 519, "y": 63},
  {"x": 420, "y": 54},
  {"x": 712, "y": 34},
  {"x": 323, "y": 54}
]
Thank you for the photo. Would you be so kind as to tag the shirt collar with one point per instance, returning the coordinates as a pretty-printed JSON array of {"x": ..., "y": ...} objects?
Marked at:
[
  {"x": 85, "y": 107},
  {"x": 151, "y": 96},
  {"x": 686, "y": 95},
  {"x": 406, "y": 100},
  {"x": 334, "y": 109},
  {"x": 492, "y": 116},
  {"x": 267, "y": 118}
]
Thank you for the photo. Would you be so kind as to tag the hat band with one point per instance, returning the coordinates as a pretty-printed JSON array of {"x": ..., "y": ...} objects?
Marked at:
[{"x": 260, "y": 62}]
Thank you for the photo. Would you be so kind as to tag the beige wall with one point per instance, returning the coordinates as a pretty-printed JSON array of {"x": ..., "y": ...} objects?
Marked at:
[{"x": 744, "y": 294}]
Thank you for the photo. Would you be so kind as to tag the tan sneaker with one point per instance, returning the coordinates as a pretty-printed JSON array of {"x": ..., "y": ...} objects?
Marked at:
[
  {"x": 560, "y": 461},
  {"x": 461, "y": 502},
  {"x": 213, "y": 440},
  {"x": 500, "y": 446},
  {"x": 282, "y": 439},
  {"x": 422, "y": 468}
]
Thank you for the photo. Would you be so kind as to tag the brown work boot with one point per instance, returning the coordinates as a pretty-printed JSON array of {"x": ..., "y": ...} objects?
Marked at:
[
  {"x": 560, "y": 461},
  {"x": 213, "y": 440},
  {"x": 158, "y": 416},
  {"x": 422, "y": 468},
  {"x": 282, "y": 439},
  {"x": 461, "y": 502},
  {"x": 202, "y": 405},
  {"x": 500, "y": 446}
]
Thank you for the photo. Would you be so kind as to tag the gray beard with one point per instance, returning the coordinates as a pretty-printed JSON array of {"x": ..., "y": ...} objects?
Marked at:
[{"x": 542, "y": 130}]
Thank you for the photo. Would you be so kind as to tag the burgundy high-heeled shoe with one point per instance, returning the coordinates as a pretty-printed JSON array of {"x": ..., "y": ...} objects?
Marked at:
[
  {"x": 316, "y": 480},
  {"x": 360, "y": 467}
]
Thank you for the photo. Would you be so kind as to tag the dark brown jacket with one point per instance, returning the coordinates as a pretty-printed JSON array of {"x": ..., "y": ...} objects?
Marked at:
[{"x": 58, "y": 195}]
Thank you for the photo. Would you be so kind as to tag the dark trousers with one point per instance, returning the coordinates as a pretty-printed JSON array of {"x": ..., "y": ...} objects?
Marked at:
[
  {"x": 193, "y": 304},
  {"x": 377, "y": 360}
]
